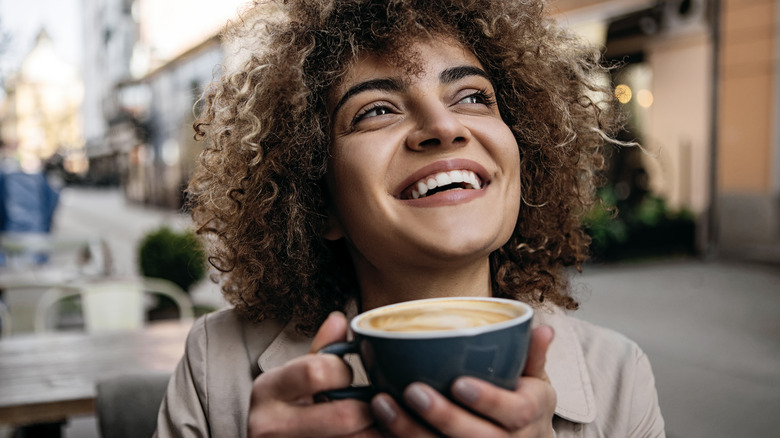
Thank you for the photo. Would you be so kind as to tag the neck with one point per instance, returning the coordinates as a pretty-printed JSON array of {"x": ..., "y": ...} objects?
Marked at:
[{"x": 379, "y": 287}]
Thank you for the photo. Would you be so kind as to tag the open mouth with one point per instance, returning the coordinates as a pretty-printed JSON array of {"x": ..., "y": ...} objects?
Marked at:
[{"x": 442, "y": 182}]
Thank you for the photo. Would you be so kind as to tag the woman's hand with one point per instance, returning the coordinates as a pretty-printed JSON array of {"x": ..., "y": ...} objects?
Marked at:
[
  {"x": 525, "y": 412},
  {"x": 282, "y": 402}
]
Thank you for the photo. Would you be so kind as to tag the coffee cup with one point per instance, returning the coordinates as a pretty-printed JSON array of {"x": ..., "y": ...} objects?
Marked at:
[{"x": 435, "y": 341}]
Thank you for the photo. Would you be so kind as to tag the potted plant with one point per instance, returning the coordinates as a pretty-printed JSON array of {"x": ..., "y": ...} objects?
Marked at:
[
  {"x": 174, "y": 255},
  {"x": 177, "y": 256}
]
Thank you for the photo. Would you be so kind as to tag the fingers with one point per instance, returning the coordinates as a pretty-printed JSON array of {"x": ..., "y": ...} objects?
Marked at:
[
  {"x": 489, "y": 411},
  {"x": 282, "y": 401},
  {"x": 530, "y": 406},
  {"x": 440, "y": 416},
  {"x": 339, "y": 418},
  {"x": 533, "y": 402},
  {"x": 303, "y": 377},
  {"x": 396, "y": 420},
  {"x": 541, "y": 337},
  {"x": 334, "y": 329}
]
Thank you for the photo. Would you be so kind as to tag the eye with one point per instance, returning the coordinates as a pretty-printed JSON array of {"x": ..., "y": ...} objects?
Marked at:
[
  {"x": 373, "y": 110},
  {"x": 482, "y": 97}
]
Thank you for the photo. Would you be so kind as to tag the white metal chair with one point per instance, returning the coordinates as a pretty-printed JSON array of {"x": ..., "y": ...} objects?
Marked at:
[{"x": 112, "y": 304}]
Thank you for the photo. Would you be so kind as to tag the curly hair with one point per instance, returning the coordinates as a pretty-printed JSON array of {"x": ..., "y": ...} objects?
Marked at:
[{"x": 258, "y": 195}]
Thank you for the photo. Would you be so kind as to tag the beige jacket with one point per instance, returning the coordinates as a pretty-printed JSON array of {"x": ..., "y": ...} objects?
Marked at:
[{"x": 604, "y": 383}]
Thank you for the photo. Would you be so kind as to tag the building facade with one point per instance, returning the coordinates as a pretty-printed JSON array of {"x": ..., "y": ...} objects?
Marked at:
[
  {"x": 155, "y": 138},
  {"x": 705, "y": 83},
  {"x": 110, "y": 30}
]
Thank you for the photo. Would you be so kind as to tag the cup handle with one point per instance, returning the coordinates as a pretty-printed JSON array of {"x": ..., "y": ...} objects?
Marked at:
[{"x": 363, "y": 393}]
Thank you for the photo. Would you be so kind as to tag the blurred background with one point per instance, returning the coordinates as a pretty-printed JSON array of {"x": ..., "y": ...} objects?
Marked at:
[
  {"x": 96, "y": 109},
  {"x": 101, "y": 93}
]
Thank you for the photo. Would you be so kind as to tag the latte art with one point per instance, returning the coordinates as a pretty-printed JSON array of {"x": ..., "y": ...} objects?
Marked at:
[{"x": 439, "y": 316}]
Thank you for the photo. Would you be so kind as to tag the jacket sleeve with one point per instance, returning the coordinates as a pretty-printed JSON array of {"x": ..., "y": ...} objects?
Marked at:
[
  {"x": 184, "y": 406},
  {"x": 646, "y": 418}
]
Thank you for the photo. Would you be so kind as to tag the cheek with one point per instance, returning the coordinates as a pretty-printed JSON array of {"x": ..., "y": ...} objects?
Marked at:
[
  {"x": 349, "y": 185},
  {"x": 515, "y": 195}
]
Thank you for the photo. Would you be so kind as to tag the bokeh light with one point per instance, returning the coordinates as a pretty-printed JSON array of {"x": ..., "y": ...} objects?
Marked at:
[
  {"x": 645, "y": 98},
  {"x": 623, "y": 93}
]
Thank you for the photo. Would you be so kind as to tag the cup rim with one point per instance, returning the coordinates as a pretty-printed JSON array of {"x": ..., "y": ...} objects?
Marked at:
[{"x": 469, "y": 331}]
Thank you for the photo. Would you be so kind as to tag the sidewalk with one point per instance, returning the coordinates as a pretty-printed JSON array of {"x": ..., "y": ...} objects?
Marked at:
[{"x": 712, "y": 333}]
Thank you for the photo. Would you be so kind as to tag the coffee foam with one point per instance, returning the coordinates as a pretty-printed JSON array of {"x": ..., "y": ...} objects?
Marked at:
[{"x": 439, "y": 316}]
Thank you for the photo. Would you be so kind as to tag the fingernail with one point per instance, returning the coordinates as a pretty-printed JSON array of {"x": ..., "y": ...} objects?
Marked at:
[
  {"x": 465, "y": 391},
  {"x": 417, "y": 398},
  {"x": 382, "y": 410}
]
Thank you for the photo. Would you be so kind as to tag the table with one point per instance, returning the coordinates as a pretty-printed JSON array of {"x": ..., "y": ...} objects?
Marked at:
[{"x": 51, "y": 376}]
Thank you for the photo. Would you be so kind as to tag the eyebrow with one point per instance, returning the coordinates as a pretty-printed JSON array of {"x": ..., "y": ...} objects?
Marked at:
[
  {"x": 393, "y": 84},
  {"x": 455, "y": 73}
]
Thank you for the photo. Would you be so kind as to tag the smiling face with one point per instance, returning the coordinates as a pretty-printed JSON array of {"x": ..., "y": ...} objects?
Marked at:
[{"x": 424, "y": 172}]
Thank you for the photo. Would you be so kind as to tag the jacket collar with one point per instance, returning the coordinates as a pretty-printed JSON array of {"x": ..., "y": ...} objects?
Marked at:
[{"x": 565, "y": 363}]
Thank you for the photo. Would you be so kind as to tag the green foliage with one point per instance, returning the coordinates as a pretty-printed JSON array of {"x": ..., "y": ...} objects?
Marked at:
[
  {"x": 177, "y": 256},
  {"x": 621, "y": 230},
  {"x": 603, "y": 224}
]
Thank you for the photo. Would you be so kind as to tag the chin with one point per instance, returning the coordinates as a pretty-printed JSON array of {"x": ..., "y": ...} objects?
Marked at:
[{"x": 465, "y": 246}]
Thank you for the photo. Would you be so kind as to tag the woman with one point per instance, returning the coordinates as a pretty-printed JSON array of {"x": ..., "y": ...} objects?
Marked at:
[{"x": 372, "y": 152}]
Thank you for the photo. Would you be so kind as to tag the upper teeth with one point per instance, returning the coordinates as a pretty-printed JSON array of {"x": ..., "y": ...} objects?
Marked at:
[{"x": 469, "y": 178}]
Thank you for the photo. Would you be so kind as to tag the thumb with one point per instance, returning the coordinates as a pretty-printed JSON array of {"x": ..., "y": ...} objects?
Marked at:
[
  {"x": 334, "y": 329},
  {"x": 541, "y": 338}
]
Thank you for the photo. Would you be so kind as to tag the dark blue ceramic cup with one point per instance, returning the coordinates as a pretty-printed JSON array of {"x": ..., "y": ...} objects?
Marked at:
[{"x": 435, "y": 341}]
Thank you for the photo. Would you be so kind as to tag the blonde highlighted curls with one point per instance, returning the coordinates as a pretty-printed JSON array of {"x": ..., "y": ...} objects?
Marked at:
[{"x": 258, "y": 195}]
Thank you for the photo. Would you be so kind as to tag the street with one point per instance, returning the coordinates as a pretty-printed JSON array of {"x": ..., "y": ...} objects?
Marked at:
[{"x": 712, "y": 333}]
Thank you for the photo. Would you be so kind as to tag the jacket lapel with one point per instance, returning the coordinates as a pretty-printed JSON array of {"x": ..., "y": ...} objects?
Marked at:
[{"x": 567, "y": 369}]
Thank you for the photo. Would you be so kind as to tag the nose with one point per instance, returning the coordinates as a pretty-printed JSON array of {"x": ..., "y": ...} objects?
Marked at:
[{"x": 437, "y": 128}]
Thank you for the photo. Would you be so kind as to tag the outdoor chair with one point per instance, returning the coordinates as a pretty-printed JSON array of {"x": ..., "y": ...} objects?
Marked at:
[
  {"x": 127, "y": 405},
  {"x": 112, "y": 304}
]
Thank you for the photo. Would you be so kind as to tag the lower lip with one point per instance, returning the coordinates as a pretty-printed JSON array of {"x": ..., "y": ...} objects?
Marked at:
[{"x": 450, "y": 197}]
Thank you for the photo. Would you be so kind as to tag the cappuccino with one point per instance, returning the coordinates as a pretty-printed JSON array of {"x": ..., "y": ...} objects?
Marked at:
[
  {"x": 436, "y": 341},
  {"x": 439, "y": 315}
]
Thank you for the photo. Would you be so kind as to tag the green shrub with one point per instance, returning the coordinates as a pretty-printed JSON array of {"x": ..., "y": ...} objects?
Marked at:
[
  {"x": 177, "y": 256},
  {"x": 621, "y": 230}
]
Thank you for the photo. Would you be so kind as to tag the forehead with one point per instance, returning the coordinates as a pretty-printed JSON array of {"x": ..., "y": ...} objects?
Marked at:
[{"x": 411, "y": 61}]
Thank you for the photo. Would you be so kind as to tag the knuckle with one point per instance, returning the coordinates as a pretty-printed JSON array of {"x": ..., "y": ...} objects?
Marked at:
[
  {"x": 404, "y": 428},
  {"x": 348, "y": 414},
  {"x": 445, "y": 419},
  {"x": 528, "y": 410},
  {"x": 260, "y": 388},
  {"x": 491, "y": 398},
  {"x": 316, "y": 372},
  {"x": 552, "y": 397},
  {"x": 260, "y": 425}
]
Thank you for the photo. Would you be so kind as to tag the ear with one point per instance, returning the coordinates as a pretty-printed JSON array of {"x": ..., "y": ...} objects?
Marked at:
[{"x": 335, "y": 231}]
